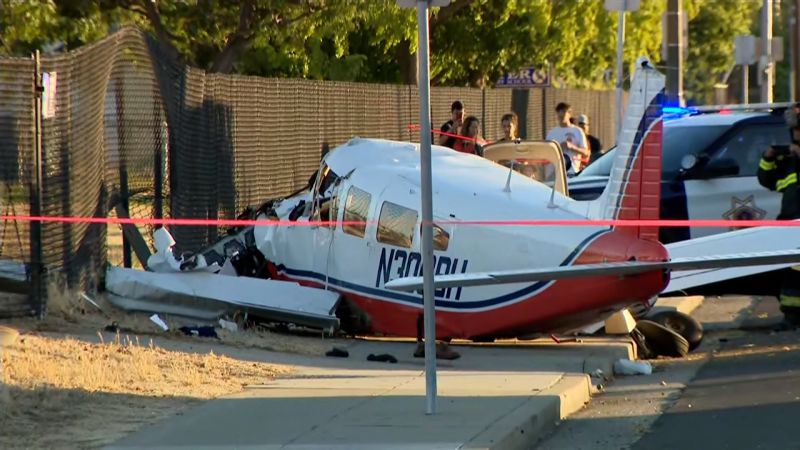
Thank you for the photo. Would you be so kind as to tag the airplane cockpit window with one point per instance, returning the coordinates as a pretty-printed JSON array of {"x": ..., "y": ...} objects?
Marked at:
[
  {"x": 441, "y": 238},
  {"x": 356, "y": 209},
  {"x": 538, "y": 169},
  {"x": 396, "y": 225},
  {"x": 323, "y": 195}
]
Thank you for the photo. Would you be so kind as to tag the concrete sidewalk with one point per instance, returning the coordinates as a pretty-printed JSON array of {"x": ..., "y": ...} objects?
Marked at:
[
  {"x": 376, "y": 409},
  {"x": 495, "y": 396}
]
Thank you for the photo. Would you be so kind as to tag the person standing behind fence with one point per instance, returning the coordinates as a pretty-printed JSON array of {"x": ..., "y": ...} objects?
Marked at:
[
  {"x": 509, "y": 123},
  {"x": 472, "y": 142},
  {"x": 452, "y": 126},
  {"x": 569, "y": 137},
  {"x": 594, "y": 144}
]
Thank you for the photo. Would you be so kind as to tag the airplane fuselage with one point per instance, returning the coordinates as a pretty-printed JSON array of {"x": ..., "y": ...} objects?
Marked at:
[{"x": 374, "y": 236}]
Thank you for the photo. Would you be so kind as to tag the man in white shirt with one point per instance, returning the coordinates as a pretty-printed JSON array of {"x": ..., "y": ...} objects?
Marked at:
[{"x": 571, "y": 138}]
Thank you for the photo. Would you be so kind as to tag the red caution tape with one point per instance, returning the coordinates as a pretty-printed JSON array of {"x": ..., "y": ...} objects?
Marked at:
[
  {"x": 415, "y": 127},
  {"x": 243, "y": 222}
]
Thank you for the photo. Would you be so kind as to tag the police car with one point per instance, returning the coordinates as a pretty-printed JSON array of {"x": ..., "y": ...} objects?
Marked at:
[{"x": 709, "y": 168}]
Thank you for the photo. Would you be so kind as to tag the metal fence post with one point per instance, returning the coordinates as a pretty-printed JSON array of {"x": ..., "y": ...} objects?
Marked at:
[
  {"x": 483, "y": 111},
  {"x": 37, "y": 256},
  {"x": 124, "y": 194},
  {"x": 158, "y": 164}
]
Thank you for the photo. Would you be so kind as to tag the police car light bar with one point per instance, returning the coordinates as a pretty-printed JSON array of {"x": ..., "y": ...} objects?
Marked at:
[{"x": 741, "y": 107}]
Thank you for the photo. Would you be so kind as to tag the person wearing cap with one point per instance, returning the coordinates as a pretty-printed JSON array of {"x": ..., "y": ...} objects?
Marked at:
[
  {"x": 570, "y": 138},
  {"x": 594, "y": 144},
  {"x": 778, "y": 171}
]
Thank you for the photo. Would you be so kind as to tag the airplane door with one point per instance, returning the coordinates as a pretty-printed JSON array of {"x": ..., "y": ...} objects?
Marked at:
[
  {"x": 352, "y": 236},
  {"x": 711, "y": 193},
  {"x": 731, "y": 198}
]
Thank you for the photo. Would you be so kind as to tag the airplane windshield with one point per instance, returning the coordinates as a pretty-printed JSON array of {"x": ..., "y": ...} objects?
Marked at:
[{"x": 540, "y": 170}]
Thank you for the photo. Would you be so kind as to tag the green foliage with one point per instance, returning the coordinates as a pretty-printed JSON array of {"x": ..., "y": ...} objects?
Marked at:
[
  {"x": 473, "y": 42},
  {"x": 711, "y": 44},
  {"x": 27, "y": 25}
]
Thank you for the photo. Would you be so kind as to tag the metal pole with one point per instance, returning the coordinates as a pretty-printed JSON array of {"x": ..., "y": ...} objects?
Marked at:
[
  {"x": 766, "y": 73},
  {"x": 795, "y": 30},
  {"x": 790, "y": 22},
  {"x": 37, "y": 255},
  {"x": 620, "y": 55},
  {"x": 675, "y": 52},
  {"x": 745, "y": 84},
  {"x": 427, "y": 209}
]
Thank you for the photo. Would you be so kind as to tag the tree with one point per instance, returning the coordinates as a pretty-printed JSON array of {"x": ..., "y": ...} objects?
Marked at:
[
  {"x": 29, "y": 25},
  {"x": 473, "y": 42},
  {"x": 711, "y": 43}
]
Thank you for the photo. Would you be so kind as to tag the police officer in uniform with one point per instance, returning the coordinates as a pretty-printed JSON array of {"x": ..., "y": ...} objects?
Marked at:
[{"x": 778, "y": 171}]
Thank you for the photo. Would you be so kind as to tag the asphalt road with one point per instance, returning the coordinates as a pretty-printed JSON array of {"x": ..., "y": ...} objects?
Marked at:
[
  {"x": 746, "y": 397},
  {"x": 739, "y": 390}
]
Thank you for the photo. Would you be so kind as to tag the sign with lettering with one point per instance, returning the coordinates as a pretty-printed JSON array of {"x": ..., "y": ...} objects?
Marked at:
[{"x": 527, "y": 77}]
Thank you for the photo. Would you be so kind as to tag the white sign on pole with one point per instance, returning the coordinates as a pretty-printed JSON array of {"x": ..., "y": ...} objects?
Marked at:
[
  {"x": 622, "y": 5},
  {"x": 745, "y": 50},
  {"x": 49, "y": 82}
]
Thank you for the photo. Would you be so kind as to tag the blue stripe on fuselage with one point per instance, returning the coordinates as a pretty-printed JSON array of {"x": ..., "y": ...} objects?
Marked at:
[{"x": 417, "y": 299}]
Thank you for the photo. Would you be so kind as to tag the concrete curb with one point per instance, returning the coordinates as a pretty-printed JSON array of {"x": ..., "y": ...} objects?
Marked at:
[
  {"x": 537, "y": 416},
  {"x": 686, "y": 305}
]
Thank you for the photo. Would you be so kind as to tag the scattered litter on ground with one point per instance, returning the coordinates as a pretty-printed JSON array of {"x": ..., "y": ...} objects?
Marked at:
[
  {"x": 337, "y": 352},
  {"x": 383, "y": 357},
  {"x": 628, "y": 367},
  {"x": 199, "y": 331},
  {"x": 158, "y": 321},
  {"x": 228, "y": 325}
]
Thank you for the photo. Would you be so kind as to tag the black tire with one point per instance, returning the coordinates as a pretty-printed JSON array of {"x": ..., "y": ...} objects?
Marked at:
[
  {"x": 683, "y": 324},
  {"x": 663, "y": 341}
]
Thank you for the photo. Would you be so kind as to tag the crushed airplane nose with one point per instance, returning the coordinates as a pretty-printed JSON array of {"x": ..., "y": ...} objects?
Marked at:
[{"x": 193, "y": 287}]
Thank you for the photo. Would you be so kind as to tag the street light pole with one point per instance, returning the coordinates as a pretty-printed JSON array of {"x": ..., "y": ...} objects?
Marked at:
[
  {"x": 620, "y": 55},
  {"x": 427, "y": 210},
  {"x": 621, "y": 6},
  {"x": 429, "y": 311},
  {"x": 767, "y": 66}
]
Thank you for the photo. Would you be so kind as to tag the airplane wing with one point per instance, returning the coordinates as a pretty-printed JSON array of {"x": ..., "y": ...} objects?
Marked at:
[
  {"x": 756, "y": 239},
  {"x": 600, "y": 269}
]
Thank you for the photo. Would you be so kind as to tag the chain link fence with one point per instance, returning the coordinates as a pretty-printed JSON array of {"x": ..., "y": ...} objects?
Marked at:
[{"x": 128, "y": 131}]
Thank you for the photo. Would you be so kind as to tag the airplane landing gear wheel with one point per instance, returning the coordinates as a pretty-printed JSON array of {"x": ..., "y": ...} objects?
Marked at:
[
  {"x": 683, "y": 324},
  {"x": 661, "y": 340}
]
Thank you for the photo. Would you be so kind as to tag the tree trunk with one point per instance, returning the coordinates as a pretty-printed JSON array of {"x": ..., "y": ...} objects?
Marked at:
[
  {"x": 408, "y": 63},
  {"x": 225, "y": 60}
]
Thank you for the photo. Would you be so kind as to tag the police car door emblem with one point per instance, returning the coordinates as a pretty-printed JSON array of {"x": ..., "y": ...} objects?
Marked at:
[{"x": 743, "y": 210}]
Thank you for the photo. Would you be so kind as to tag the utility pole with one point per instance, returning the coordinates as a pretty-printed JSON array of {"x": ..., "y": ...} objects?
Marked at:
[
  {"x": 429, "y": 310},
  {"x": 675, "y": 52},
  {"x": 765, "y": 63},
  {"x": 620, "y": 56},
  {"x": 794, "y": 30},
  {"x": 621, "y": 6}
]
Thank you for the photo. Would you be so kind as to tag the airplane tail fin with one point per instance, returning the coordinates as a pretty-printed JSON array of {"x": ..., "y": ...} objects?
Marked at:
[{"x": 634, "y": 187}]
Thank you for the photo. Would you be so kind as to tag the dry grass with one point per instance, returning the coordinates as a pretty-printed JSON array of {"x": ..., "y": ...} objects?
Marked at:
[
  {"x": 65, "y": 392},
  {"x": 68, "y": 393},
  {"x": 69, "y": 312}
]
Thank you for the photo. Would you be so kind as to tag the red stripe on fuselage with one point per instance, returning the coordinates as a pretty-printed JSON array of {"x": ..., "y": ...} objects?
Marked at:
[
  {"x": 642, "y": 195},
  {"x": 564, "y": 305}
]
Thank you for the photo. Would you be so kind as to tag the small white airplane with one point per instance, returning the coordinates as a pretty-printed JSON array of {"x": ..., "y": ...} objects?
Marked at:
[{"x": 356, "y": 231}]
